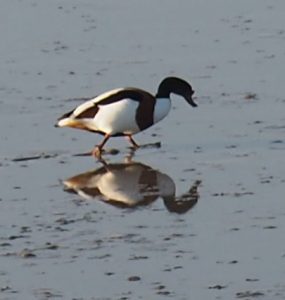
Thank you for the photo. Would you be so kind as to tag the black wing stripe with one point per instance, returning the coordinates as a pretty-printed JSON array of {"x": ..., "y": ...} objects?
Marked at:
[
  {"x": 66, "y": 115},
  {"x": 88, "y": 113},
  {"x": 134, "y": 95}
]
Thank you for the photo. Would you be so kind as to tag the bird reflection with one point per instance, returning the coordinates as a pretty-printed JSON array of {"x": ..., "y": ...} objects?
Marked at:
[{"x": 130, "y": 185}]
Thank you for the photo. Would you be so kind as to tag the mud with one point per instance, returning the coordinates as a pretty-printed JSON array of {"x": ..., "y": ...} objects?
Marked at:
[{"x": 201, "y": 216}]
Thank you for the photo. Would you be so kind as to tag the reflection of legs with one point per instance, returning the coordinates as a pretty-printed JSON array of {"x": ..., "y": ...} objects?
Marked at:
[
  {"x": 129, "y": 157},
  {"x": 132, "y": 141},
  {"x": 97, "y": 151}
]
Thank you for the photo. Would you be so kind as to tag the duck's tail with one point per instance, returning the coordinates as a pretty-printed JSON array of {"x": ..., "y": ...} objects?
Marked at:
[{"x": 68, "y": 120}]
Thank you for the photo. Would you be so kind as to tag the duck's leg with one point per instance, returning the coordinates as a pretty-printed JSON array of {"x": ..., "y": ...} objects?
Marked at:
[
  {"x": 97, "y": 151},
  {"x": 132, "y": 141}
]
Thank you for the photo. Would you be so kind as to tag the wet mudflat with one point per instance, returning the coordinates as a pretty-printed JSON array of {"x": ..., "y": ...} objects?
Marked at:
[{"x": 201, "y": 217}]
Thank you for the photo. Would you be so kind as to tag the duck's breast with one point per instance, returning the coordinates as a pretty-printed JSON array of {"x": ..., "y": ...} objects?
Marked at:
[{"x": 161, "y": 109}]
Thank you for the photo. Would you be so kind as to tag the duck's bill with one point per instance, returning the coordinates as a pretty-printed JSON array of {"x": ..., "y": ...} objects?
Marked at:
[{"x": 191, "y": 102}]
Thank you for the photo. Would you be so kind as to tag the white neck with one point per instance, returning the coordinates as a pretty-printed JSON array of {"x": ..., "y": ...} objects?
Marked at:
[{"x": 161, "y": 109}]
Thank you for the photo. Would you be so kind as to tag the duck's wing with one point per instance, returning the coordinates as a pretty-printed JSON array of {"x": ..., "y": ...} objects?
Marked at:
[{"x": 89, "y": 108}]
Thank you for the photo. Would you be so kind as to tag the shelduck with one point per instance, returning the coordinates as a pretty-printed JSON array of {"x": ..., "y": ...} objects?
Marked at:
[{"x": 125, "y": 111}]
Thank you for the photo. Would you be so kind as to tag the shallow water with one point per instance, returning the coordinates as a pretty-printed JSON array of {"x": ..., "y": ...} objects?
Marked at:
[{"x": 227, "y": 242}]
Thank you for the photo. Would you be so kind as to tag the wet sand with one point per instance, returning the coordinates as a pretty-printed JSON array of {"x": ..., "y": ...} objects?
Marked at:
[{"x": 201, "y": 217}]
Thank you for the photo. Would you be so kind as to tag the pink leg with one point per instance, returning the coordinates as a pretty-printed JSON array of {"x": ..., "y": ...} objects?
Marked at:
[
  {"x": 132, "y": 141},
  {"x": 97, "y": 151}
]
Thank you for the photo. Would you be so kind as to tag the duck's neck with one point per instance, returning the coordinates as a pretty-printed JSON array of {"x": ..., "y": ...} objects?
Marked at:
[
  {"x": 163, "y": 92},
  {"x": 161, "y": 109}
]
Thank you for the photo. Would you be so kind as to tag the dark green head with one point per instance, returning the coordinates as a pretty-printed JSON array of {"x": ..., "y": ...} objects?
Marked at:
[{"x": 176, "y": 86}]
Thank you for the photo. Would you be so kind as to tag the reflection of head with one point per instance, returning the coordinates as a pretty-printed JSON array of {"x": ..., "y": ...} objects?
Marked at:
[{"x": 185, "y": 202}]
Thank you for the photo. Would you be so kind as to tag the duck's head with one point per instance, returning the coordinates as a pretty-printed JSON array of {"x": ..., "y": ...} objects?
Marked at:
[{"x": 177, "y": 86}]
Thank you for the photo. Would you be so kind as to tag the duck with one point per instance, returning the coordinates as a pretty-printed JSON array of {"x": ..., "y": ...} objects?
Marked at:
[{"x": 126, "y": 111}]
